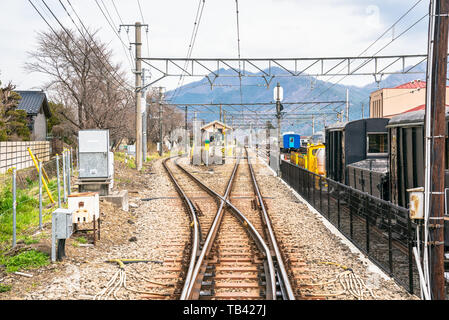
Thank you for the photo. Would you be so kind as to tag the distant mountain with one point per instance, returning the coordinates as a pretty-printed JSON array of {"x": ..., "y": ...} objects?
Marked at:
[{"x": 227, "y": 90}]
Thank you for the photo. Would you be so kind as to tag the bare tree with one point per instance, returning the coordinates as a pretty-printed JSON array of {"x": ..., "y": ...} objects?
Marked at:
[
  {"x": 85, "y": 80},
  {"x": 172, "y": 119}
]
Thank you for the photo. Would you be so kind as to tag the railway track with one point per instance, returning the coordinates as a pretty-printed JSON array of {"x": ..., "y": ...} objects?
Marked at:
[{"x": 232, "y": 255}]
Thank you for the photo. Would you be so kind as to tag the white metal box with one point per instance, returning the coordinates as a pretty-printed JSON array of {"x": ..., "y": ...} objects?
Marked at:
[
  {"x": 85, "y": 206},
  {"x": 416, "y": 204},
  {"x": 94, "y": 154}
]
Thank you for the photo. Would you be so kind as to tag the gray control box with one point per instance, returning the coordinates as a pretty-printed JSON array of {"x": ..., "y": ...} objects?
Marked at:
[
  {"x": 62, "y": 223},
  {"x": 61, "y": 228}
]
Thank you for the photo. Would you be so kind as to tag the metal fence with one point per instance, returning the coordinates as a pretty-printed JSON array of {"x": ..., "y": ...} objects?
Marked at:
[
  {"x": 15, "y": 153},
  {"x": 380, "y": 229},
  {"x": 53, "y": 178}
]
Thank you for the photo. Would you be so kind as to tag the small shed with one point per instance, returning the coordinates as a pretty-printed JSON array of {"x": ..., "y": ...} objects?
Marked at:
[
  {"x": 35, "y": 104},
  {"x": 216, "y": 126}
]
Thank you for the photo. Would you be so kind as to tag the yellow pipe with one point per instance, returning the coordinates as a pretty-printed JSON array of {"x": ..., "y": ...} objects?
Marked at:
[
  {"x": 43, "y": 170},
  {"x": 43, "y": 180}
]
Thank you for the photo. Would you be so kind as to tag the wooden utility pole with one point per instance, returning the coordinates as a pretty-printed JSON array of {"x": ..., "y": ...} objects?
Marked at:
[{"x": 437, "y": 136}]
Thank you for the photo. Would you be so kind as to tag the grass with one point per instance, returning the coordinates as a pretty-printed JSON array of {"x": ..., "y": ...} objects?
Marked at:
[
  {"x": 27, "y": 210},
  {"x": 4, "y": 288},
  {"x": 26, "y": 260},
  {"x": 79, "y": 240}
]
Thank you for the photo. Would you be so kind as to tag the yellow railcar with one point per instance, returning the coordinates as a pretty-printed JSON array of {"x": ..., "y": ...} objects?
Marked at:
[{"x": 312, "y": 160}]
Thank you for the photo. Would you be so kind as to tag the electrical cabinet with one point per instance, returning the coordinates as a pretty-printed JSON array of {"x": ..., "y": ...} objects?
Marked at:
[
  {"x": 62, "y": 223},
  {"x": 94, "y": 155}
]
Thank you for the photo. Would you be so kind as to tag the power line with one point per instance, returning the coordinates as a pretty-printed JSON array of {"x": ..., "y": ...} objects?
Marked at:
[
  {"x": 199, "y": 14},
  {"x": 368, "y": 60},
  {"x": 143, "y": 20},
  {"x": 238, "y": 48},
  {"x": 120, "y": 82},
  {"x": 114, "y": 31}
]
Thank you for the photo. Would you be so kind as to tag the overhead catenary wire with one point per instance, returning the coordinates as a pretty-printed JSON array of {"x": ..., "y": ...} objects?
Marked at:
[
  {"x": 385, "y": 46},
  {"x": 196, "y": 24}
]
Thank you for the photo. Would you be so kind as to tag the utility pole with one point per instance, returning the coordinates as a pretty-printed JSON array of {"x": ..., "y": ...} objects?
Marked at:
[
  {"x": 347, "y": 105},
  {"x": 138, "y": 96},
  {"x": 160, "y": 120},
  {"x": 186, "y": 131},
  {"x": 363, "y": 111},
  {"x": 144, "y": 119},
  {"x": 138, "y": 90},
  {"x": 313, "y": 124},
  {"x": 435, "y": 143}
]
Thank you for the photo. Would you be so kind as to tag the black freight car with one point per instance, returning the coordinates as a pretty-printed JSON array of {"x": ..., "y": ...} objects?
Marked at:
[
  {"x": 348, "y": 147},
  {"x": 407, "y": 156}
]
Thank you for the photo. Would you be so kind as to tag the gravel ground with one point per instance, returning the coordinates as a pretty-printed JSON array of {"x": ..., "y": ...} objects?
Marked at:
[
  {"x": 317, "y": 243},
  {"x": 320, "y": 245},
  {"x": 140, "y": 233},
  {"x": 150, "y": 227}
]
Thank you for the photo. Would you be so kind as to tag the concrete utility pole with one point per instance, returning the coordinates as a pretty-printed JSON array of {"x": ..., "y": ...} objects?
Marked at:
[
  {"x": 160, "y": 119},
  {"x": 144, "y": 119},
  {"x": 435, "y": 144},
  {"x": 187, "y": 143},
  {"x": 138, "y": 44},
  {"x": 347, "y": 104},
  {"x": 138, "y": 90}
]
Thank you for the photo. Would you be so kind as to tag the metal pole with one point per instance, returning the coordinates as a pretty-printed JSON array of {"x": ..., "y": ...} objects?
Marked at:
[
  {"x": 59, "y": 184},
  {"x": 186, "y": 132},
  {"x": 14, "y": 204},
  {"x": 64, "y": 180},
  {"x": 144, "y": 119},
  {"x": 40, "y": 194},
  {"x": 138, "y": 97},
  {"x": 68, "y": 172},
  {"x": 160, "y": 121},
  {"x": 347, "y": 104}
]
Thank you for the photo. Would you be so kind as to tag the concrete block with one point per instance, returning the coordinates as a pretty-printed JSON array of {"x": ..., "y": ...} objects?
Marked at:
[{"x": 119, "y": 199}]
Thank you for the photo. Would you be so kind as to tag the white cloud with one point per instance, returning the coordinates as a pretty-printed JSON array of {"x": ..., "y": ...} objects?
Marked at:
[{"x": 268, "y": 28}]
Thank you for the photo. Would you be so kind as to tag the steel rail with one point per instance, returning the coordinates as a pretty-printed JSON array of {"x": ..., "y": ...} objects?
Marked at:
[
  {"x": 283, "y": 276},
  {"x": 193, "y": 290},
  {"x": 196, "y": 228},
  {"x": 270, "y": 270}
]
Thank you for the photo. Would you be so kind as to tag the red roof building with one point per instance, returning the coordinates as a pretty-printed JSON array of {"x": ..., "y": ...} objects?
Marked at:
[{"x": 407, "y": 97}]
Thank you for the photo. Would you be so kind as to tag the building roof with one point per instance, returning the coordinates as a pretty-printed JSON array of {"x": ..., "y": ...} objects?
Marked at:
[
  {"x": 33, "y": 101},
  {"x": 210, "y": 124},
  {"x": 415, "y": 84}
]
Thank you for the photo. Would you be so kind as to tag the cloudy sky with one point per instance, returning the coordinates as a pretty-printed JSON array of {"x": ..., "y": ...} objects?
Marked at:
[{"x": 268, "y": 28}]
